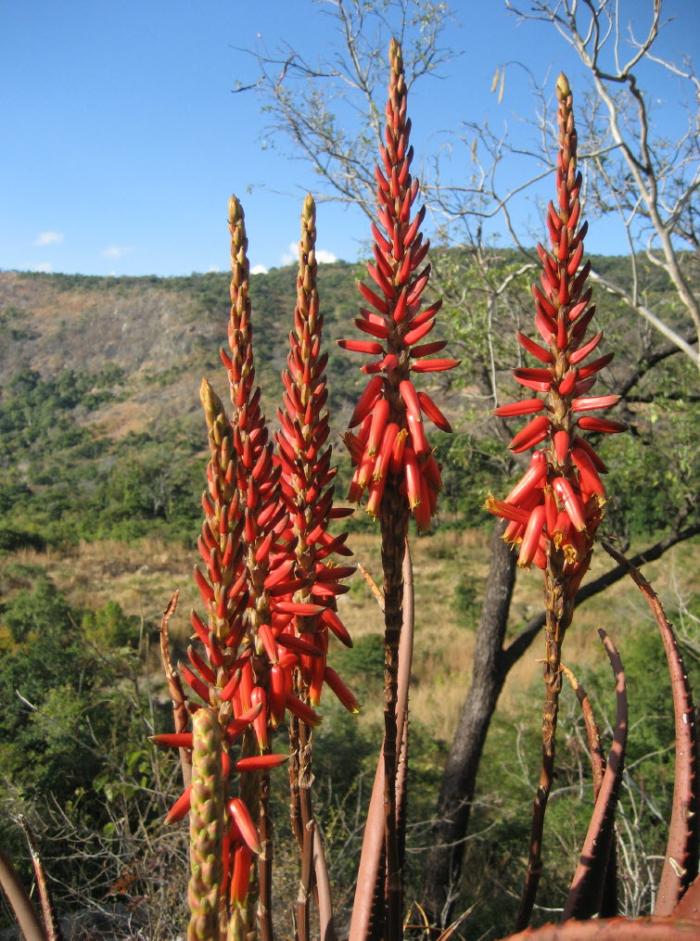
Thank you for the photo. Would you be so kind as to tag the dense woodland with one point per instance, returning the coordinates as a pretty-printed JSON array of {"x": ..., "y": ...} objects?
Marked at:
[{"x": 102, "y": 453}]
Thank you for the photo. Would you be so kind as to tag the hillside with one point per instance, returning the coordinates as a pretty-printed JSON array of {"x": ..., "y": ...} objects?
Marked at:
[{"x": 100, "y": 376}]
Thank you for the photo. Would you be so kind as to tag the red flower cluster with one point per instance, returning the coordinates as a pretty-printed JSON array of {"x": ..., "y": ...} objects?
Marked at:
[
  {"x": 391, "y": 440},
  {"x": 267, "y": 578},
  {"x": 561, "y": 496},
  {"x": 270, "y": 612},
  {"x": 220, "y": 670},
  {"x": 306, "y": 483}
]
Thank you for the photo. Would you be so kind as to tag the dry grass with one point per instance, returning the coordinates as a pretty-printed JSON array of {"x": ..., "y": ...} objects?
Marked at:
[{"x": 142, "y": 576}]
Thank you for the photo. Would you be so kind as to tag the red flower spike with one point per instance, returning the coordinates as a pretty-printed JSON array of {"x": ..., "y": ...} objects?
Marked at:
[
  {"x": 556, "y": 517},
  {"x": 306, "y": 481},
  {"x": 554, "y": 520},
  {"x": 397, "y": 319},
  {"x": 238, "y": 547},
  {"x": 563, "y": 311},
  {"x": 262, "y": 480}
]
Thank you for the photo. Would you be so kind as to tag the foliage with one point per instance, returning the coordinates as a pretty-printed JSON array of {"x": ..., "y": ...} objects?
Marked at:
[{"x": 467, "y": 605}]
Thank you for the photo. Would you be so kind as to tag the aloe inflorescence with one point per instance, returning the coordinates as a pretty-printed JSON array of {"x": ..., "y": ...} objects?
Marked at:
[
  {"x": 556, "y": 507},
  {"x": 393, "y": 461},
  {"x": 560, "y": 498},
  {"x": 304, "y": 455},
  {"x": 391, "y": 444},
  {"x": 219, "y": 677}
]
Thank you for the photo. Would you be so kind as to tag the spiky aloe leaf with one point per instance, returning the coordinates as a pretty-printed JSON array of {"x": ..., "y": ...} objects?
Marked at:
[
  {"x": 588, "y": 885},
  {"x": 681, "y": 860}
]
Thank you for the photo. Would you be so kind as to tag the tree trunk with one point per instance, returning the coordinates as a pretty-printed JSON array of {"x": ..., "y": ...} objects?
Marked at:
[{"x": 444, "y": 861}]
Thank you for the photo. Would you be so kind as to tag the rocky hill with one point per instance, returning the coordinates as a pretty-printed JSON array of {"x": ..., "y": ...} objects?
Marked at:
[{"x": 99, "y": 411}]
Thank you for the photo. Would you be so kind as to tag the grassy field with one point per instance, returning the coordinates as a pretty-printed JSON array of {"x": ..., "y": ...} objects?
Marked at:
[{"x": 142, "y": 576}]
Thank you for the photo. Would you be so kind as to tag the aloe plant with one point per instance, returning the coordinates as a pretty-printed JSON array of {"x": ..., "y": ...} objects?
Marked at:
[
  {"x": 556, "y": 507},
  {"x": 393, "y": 459}
]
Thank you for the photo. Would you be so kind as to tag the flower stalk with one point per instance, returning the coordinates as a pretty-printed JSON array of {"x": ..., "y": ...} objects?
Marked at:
[
  {"x": 264, "y": 522},
  {"x": 393, "y": 461},
  {"x": 554, "y": 510},
  {"x": 304, "y": 458}
]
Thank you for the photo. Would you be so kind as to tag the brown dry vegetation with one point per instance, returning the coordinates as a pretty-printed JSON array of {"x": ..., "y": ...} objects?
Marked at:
[{"x": 142, "y": 576}]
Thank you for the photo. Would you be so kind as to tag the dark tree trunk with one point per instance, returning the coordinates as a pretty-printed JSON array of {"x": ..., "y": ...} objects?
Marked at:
[{"x": 444, "y": 860}]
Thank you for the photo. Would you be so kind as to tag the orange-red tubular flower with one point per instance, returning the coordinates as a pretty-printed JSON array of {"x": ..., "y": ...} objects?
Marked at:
[
  {"x": 398, "y": 321},
  {"x": 565, "y": 470}
]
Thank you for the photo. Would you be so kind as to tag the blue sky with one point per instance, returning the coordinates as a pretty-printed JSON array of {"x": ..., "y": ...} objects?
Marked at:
[{"x": 122, "y": 137}]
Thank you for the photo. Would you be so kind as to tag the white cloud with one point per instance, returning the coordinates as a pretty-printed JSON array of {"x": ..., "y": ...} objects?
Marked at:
[
  {"x": 44, "y": 267},
  {"x": 214, "y": 269},
  {"x": 258, "y": 269},
  {"x": 48, "y": 238},
  {"x": 291, "y": 255},
  {"x": 323, "y": 256},
  {"x": 117, "y": 251}
]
